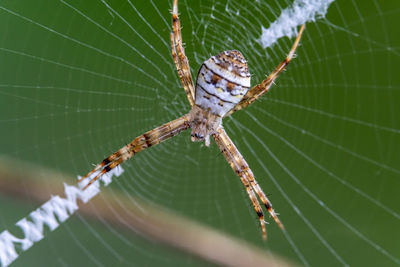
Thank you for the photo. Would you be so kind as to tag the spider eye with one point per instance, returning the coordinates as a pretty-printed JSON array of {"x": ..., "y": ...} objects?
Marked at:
[{"x": 198, "y": 136}]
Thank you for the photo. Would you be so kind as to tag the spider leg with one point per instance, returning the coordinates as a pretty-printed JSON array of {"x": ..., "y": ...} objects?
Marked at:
[
  {"x": 178, "y": 54},
  {"x": 146, "y": 140},
  {"x": 257, "y": 91},
  {"x": 242, "y": 169}
]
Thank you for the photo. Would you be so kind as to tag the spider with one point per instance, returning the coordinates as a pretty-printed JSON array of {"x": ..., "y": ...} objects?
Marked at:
[{"x": 222, "y": 88}]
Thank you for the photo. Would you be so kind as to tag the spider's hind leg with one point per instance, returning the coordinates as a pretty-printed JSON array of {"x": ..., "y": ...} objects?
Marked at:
[
  {"x": 259, "y": 90},
  {"x": 178, "y": 54}
]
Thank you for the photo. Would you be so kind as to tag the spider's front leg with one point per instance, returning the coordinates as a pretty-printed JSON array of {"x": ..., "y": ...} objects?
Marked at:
[
  {"x": 241, "y": 168},
  {"x": 140, "y": 143}
]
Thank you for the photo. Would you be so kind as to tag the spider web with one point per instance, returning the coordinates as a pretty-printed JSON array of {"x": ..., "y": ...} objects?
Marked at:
[{"x": 80, "y": 79}]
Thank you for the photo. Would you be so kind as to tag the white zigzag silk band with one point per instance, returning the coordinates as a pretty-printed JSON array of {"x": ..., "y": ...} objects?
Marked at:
[
  {"x": 55, "y": 211},
  {"x": 300, "y": 12}
]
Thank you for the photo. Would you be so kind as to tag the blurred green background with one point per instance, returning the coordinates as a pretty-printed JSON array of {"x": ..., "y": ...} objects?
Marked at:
[{"x": 78, "y": 80}]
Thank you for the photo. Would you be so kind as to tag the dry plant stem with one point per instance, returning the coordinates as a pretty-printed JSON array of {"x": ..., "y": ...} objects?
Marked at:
[{"x": 155, "y": 223}]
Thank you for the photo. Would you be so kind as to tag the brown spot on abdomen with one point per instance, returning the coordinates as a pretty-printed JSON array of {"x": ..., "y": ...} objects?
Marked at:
[
  {"x": 215, "y": 78},
  {"x": 230, "y": 86}
]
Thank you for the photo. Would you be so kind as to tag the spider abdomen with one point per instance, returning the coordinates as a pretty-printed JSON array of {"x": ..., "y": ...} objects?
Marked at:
[{"x": 222, "y": 82}]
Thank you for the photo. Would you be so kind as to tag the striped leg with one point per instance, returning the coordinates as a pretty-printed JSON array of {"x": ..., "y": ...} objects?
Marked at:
[
  {"x": 148, "y": 139},
  {"x": 178, "y": 54},
  {"x": 257, "y": 91},
  {"x": 240, "y": 166}
]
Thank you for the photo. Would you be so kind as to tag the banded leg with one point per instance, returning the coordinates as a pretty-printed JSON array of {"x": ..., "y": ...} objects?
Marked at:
[
  {"x": 241, "y": 168},
  {"x": 257, "y": 91},
  {"x": 178, "y": 54},
  {"x": 146, "y": 140}
]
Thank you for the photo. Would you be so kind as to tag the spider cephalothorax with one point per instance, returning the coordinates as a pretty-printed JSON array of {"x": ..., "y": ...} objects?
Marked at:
[
  {"x": 222, "y": 82},
  {"x": 203, "y": 123},
  {"x": 222, "y": 88}
]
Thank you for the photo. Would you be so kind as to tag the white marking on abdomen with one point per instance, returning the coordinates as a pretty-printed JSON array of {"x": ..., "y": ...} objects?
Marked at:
[
  {"x": 216, "y": 98},
  {"x": 228, "y": 75}
]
